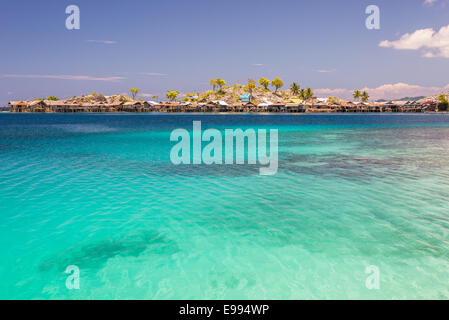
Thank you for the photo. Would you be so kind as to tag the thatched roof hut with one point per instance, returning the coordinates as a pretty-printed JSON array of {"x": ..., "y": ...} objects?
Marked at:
[{"x": 17, "y": 103}]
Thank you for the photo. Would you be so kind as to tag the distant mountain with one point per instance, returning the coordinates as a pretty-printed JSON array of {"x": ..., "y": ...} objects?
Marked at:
[
  {"x": 412, "y": 98},
  {"x": 403, "y": 99}
]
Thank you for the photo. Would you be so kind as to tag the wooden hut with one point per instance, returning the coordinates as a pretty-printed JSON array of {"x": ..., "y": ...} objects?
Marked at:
[
  {"x": 39, "y": 106},
  {"x": 192, "y": 107},
  {"x": 132, "y": 106},
  {"x": 209, "y": 107},
  {"x": 153, "y": 106},
  {"x": 249, "y": 107},
  {"x": 18, "y": 106},
  {"x": 146, "y": 107},
  {"x": 62, "y": 106},
  {"x": 293, "y": 105},
  {"x": 112, "y": 107},
  {"x": 263, "y": 107},
  {"x": 170, "y": 107}
]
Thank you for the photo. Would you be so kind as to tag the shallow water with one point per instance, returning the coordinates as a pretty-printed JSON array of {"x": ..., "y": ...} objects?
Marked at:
[{"x": 100, "y": 192}]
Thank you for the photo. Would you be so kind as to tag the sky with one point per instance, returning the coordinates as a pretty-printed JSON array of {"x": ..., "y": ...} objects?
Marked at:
[{"x": 180, "y": 44}]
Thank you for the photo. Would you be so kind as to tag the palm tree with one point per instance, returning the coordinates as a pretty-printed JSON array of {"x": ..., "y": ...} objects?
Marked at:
[
  {"x": 364, "y": 96},
  {"x": 302, "y": 94},
  {"x": 309, "y": 94},
  {"x": 306, "y": 94},
  {"x": 294, "y": 89},
  {"x": 357, "y": 95}
]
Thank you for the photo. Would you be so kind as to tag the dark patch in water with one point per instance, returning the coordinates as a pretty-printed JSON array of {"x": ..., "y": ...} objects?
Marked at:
[
  {"x": 341, "y": 166},
  {"x": 95, "y": 255},
  {"x": 73, "y": 155}
]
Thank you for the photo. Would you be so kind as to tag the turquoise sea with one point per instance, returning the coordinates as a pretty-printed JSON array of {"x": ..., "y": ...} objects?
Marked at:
[{"x": 99, "y": 192}]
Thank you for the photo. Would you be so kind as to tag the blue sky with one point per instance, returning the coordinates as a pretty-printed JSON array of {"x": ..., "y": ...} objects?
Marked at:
[{"x": 161, "y": 45}]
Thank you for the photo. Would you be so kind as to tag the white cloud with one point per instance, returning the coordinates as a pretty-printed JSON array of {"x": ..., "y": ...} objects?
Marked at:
[
  {"x": 326, "y": 70},
  {"x": 257, "y": 65},
  {"x": 429, "y": 2},
  {"x": 332, "y": 92},
  {"x": 434, "y": 44},
  {"x": 154, "y": 74},
  {"x": 61, "y": 77},
  {"x": 103, "y": 41},
  {"x": 147, "y": 95},
  {"x": 386, "y": 91}
]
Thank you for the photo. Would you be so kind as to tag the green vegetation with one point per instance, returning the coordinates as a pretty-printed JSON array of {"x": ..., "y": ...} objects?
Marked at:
[
  {"x": 294, "y": 89},
  {"x": 123, "y": 98},
  {"x": 277, "y": 83},
  {"x": 206, "y": 95},
  {"x": 250, "y": 86},
  {"x": 365, "y": 96},
  {"x": 188, "y": 97},
  {"x": 220, "y": 83},
  {"x": 335, "y": 100},
  {"x": 443, "y": 104},
  {"x": 134, "y": 92},
  {"x": 306, "y": 94},
  {"x": 264, "y": 83},
  {"x": 213, "y": 83},
  {"x": 357, "y": 95},
  {"x": 52, "y": 98},
  {"x": 172, "y": 95}
]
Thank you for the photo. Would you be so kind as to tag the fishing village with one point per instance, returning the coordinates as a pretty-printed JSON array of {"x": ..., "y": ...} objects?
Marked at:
[{"x": 250, "y": 98}]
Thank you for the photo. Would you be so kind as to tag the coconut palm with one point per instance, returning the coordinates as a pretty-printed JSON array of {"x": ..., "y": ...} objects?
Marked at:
[
  {"x": 357, "y": 95},
  {"x": 364, "y": 96},
  {"x": 334, "y": 100},
  {"x": 309, "y": 94},
  {"x": 294, "y": 89},
  {"x": 301, "y": 94},
  {"x": 306, "y": 94}
]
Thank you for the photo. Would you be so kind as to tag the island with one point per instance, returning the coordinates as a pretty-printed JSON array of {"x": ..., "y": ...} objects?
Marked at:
[{"x": 237, "y": 98}]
